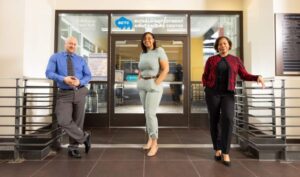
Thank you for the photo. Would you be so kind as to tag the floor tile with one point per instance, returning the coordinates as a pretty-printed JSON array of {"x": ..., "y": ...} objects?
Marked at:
[
  {"x": 93, "y": 155},
  {"x": 208, "y": 154},
  {"x": 169, "y": 154},
  {"x": 168, "y": 140},
  {"x": 211, "y": 168},
  {"x": 169, "y": 169},
  {"x": 193, "y": 131},
  {"x": 118, "y": 169},
  {"x": 194, "y": 139},
  {"x": 130, "y": 131},
  {"x": 296, "y": 164},
  {"x": 99, "y": 137},
  {"x": 24, "y": 169},
  {"x": 238, "y": 153},
  {"x": 133, "y": 162},
  {"x": 66, "y": 169},
  {"x": 119, "y": 154},
  {"x": 271, "y": 169},
  {"x": 128, "y": 139},
  {"x": 200, "y": 153}
]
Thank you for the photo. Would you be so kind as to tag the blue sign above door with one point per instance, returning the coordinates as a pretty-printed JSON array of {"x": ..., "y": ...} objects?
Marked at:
[{"x": 123, "y": 23}]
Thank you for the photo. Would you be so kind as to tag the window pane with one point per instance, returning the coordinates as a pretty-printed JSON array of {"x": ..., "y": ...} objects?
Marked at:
[
  {"x": 92, "y": 35},
  {"x": 127, "y": 99},
  {"x": 96, "y": 101},
  {"x": 89, "y": 29},
  {"x": 204, "y": 31}
]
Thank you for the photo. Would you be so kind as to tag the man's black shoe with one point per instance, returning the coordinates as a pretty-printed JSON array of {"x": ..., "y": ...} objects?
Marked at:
[
  {"x": 74, "y": 153},
  {"x": 87, "y": 143}
]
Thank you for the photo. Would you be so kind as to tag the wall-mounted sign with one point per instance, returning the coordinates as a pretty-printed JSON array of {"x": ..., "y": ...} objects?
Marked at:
[
  {"x": 287, "y": 44},
  {"x": 155, "y": 23},
  {"x": 123, "y": 23},
  {"x": 97, "y": 63}
]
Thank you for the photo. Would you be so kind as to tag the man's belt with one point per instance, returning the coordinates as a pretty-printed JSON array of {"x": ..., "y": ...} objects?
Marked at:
[{"x": 71, "y": 89}]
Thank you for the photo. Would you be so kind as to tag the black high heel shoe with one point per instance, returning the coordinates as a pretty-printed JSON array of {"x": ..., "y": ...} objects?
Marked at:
[
  {"x": 218, "y": 158},
  {"x": 226, "y": 163}
]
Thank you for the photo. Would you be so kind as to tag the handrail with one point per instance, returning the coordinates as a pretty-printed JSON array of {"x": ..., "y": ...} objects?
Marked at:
[
  {"x": 260, "y": 119},
  {"x": 25, "y": 100}
]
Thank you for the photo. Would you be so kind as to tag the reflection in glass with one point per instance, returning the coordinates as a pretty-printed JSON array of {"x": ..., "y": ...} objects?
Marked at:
[
  {"x": 96, "y": 100},
  {"x": 92, "y": 36},
  {"x": 204, "y": 31},
  {"x": 197, "y": 98}
]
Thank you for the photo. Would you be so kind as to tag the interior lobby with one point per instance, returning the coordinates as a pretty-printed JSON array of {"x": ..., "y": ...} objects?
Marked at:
[{"x": 265, "y": 34}]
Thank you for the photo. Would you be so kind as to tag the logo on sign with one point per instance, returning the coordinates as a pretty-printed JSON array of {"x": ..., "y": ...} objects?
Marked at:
[{"x": 123, "y": 23}]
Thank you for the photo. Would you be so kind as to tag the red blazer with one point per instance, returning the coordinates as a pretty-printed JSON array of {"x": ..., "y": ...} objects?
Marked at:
[{"x": 235, "y": 67}]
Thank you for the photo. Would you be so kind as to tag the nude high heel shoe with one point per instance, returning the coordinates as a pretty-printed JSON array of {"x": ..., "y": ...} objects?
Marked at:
[
  {"x": 148, "y": 145},
  {"x": 153, "y": 151}
]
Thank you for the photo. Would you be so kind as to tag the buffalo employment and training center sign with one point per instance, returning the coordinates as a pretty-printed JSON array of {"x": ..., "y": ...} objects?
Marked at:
[{"x": 156, "y": 23}]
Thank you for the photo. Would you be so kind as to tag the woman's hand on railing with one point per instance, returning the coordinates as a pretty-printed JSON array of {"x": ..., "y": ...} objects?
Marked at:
[{"x": 260, "y": 80}]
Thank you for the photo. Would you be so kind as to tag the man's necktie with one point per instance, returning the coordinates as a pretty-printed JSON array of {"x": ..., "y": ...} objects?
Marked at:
[{"x": 70, "y": 66}]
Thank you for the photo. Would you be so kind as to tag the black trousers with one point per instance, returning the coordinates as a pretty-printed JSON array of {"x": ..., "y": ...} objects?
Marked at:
[{"x": 221, "y": 111}]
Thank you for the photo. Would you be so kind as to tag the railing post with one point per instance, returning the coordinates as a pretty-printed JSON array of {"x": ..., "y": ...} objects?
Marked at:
[
  {"x": 24, "y": 104},
  {"x": 245, "y": 110},
  {"x": 54, "y": 124},
  {"x": 282, "y": 116},
  {"x": 17, "y": 123},
  {"x": 273, "y": 109},
  {"x": 238, "y": 109}
]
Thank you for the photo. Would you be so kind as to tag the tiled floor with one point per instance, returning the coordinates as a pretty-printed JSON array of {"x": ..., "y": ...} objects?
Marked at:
[
  {"x": 138, "y": 136},
  {"x": 133, "y": 162}
]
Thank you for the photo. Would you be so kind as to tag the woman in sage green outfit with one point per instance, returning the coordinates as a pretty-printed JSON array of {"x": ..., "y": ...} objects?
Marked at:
[{"x": 153, "y": 69}]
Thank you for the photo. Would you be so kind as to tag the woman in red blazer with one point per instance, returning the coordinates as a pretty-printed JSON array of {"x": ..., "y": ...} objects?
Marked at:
[{"x": 219, "y": 79}]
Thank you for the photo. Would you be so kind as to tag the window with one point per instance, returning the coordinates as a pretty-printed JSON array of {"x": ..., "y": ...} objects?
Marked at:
[
  {"x": 204, "y": 31},
  {"x": 92, "y": 35}
]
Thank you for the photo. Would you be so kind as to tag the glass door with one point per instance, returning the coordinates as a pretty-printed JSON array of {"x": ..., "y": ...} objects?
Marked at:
[{"x": 126, "y": 107}]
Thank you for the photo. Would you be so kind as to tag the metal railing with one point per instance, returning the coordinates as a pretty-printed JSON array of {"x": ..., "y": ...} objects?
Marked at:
[
  {"x": 26, "y": 119},
  {"x": 197, "y": 97},
  {"x": 268, "y": 119}
]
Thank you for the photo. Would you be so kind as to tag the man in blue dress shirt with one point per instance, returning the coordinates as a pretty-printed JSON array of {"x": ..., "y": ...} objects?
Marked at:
[{"x": 71, "y": 73}]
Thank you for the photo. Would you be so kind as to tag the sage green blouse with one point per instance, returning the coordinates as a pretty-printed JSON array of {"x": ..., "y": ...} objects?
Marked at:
[{"x": 149, "y": 62}]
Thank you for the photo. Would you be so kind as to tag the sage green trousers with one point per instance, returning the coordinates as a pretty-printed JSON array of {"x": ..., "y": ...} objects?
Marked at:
[{"x": 150, "y": 95}]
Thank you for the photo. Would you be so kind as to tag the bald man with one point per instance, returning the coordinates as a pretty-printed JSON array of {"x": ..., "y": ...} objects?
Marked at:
[{"x": 71, "y": 73}]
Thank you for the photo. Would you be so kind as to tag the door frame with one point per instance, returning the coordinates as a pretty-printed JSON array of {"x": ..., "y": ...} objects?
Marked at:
[{"x": 164, "y": 120}]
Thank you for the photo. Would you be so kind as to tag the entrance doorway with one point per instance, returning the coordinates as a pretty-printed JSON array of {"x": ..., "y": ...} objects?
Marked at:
[{"x": 126, "y": 108}]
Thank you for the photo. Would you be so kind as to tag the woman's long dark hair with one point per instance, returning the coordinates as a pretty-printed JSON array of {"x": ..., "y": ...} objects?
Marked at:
[{"x": 144, "y": 48}]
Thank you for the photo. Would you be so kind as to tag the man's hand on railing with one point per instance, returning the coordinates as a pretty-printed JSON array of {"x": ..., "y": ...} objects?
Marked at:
[{"x": 260, "y": 80}]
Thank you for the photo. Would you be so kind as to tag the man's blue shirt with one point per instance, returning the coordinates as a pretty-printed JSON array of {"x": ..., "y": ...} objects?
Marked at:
[{"x": 57, "y": 69}]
